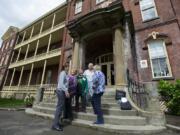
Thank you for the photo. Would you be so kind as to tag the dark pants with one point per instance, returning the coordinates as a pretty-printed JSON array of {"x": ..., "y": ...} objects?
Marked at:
[
  {"x": 96, "y": 103},
  {"x": 68, "y": 108},
  {"x": 83, "y": 102},
  {"x": 59, "y": 108}
]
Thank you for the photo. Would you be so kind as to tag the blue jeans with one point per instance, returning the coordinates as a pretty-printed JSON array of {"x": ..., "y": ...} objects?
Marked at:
[
  {"x": 59, "y": 108},
  {"x": 96, "y": 103}
]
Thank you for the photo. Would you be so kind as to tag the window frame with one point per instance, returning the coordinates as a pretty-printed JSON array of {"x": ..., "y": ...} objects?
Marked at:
[
  {"x": 143, "y": 10},
  {"x": 167, "y": 60},
  {"x": 99, "y": 1},
  {"x": 76, "y": 9}
]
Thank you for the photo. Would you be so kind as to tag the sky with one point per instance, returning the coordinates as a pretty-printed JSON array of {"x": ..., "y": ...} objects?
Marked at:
[{"x": 19, "y": 13}]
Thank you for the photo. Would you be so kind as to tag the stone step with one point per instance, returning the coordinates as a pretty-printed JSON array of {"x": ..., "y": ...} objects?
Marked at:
[
  {"x": 111, "y": 119},
  {"x": 106, "y": 111},
  {"x": 105, "y": 100},
  {"x": 115, "y": 129},
  {"x": 106, "y": 105},
  {"x": 114, "y": 111},
  {"x": 120, "y": 129}
]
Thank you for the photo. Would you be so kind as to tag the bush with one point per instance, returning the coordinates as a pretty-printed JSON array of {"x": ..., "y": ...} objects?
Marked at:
[
  {"x": 170, "y": 93},
  {"x": 29, "y": 99}
]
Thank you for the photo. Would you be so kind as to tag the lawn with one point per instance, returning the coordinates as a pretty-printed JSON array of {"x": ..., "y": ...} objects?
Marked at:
[{"x": 11, "y": 103}]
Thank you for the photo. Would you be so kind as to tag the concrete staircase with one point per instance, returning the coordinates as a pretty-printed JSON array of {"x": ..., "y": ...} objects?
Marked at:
[{"x": 116, "y": 120}]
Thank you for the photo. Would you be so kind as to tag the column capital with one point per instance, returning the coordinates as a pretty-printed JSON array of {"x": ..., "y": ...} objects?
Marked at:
[{"x": 118, "y": 26}]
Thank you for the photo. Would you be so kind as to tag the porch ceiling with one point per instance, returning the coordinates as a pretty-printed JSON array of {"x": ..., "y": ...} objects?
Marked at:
[{"x": 99, "y": 19}]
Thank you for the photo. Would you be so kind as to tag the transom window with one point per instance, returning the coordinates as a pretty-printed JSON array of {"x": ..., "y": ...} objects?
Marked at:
[
  {"x": 148, "y": 9},
  {"x": 78, "y": 6},
  {"x": 159, "y": 59},
  {"x": 104, "y": 58},
  {"x": 99, "y": 1}
]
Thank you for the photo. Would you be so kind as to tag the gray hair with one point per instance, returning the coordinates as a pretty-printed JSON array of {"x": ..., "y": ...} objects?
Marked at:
[{"x": 97, "y": 67}]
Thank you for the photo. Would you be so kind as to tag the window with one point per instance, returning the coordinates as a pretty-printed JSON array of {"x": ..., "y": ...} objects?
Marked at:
[
  {"x": 99, "y": 1},
  {"x": 159, "y": 59},
  {"x": 2, "y": 60},
  {"x": 78, "y": 6},
  {"x": 12, "y": 42},
  {"x": 148, "y": 9},
  {"x": 6, "y": 60},
  {"x": 7, "y": 44}
]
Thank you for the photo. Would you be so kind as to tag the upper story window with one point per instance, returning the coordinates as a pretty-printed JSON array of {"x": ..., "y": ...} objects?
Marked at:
[
  {"x": 78, "y": 6},
  {"x": 12, "y": 42},
  {"x": 99, "y": 1},
  {"x": 159, "y": 59},
  {"x": 148, "y": 9},
  {"x": 7, "y": 44}
]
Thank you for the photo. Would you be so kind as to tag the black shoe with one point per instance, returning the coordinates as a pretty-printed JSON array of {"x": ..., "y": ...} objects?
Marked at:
[{"x": 57, "y": 128}]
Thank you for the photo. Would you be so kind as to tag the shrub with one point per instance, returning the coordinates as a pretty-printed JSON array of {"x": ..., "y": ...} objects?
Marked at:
[
  {"x": 170, "y": 93},
  {"x": 29, "y": 99}
]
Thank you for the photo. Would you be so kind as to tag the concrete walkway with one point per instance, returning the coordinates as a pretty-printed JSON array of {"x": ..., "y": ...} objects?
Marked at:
[{"x": 18, "y": 123}]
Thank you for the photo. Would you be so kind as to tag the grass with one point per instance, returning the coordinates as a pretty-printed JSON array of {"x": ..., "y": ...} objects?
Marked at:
[{"x": 11, "y": 103}]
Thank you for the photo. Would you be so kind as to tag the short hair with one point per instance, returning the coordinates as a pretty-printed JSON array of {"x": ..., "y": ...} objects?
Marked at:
[
  {"x": 97, "y": 67},
  {"x": 65, "y": 66}
]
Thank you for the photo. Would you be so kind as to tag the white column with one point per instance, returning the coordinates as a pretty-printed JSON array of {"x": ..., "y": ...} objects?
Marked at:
[
  {"x": 118, "y": 50},
  {"x": 24, "y": 36},
  {"x": 26, "y": 52},
  {"x": 30, "y": 75},
  {"x": 49, "y": 43},
  {"x": 12, "y": 77},
  {"x": 43, "y": 74},
  {"x": 32, "y": 32},
  {"x": 6, "y": 78},
  {"x": 37, "y": 45},
  {"x": 20, "y": 78},
  {"x": 42, "y": 24},
  {"x": 75, "y": 62},
  {"x": 81, "y": 56},
  {"x": 54, "y": 17},
  {"x": 12, "y": 57},
  {"x": 18, "y": 55}
]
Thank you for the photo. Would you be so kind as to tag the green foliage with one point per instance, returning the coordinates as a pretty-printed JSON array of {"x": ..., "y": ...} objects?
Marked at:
[
  {"x": 11, "y": 103},
  {"x": 29, "y": 99},
  {"x": 170, "y": 93}
]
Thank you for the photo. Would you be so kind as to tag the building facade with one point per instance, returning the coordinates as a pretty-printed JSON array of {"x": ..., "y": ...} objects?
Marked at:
[
  {"x": 134, "y": 38},
  {"x": 36, "y": 55},
  {"x": 9, "y": 39}
]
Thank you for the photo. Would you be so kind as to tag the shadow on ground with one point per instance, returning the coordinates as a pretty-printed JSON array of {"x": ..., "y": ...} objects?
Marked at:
[{"x": 18, "y": 123}]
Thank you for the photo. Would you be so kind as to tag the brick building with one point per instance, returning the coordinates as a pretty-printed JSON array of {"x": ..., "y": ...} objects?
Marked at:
[
  {"x": 138, "y": 36},
  {"x": 9, "y": 39},
  {"x": 150, "y": 34}
]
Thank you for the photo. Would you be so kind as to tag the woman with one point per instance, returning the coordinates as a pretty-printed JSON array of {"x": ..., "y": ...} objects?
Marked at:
[
  {"x": 98, "y": 91},
  {"x": 82, "y": 90},
  {"x": 72, "y": 79},
  {"x": 62, "y": 93}
]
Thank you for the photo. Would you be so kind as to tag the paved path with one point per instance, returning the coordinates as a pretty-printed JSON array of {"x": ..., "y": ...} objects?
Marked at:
[{"x": 18, "y": 123}]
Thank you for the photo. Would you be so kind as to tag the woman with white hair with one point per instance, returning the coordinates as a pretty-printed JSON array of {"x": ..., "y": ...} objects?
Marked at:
[
  {"x": 98, "y": 91},
  {"x": 89, "y": 75}
]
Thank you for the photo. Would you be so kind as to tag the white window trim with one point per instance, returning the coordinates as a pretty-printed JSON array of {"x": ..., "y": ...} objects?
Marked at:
[
  {"x": 99, "y": 1},
  {"x": 155, "y": 8},
  {"x": 167, "y": 60},
  {"x": 77, "y": 11}
]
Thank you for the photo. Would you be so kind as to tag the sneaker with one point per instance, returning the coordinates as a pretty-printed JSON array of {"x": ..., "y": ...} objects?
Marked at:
[{"x": 57, "y": 128}]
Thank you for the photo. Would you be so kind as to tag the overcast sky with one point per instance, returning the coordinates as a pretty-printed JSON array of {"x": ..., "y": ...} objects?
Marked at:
[{"x": 19, "y": 13}]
